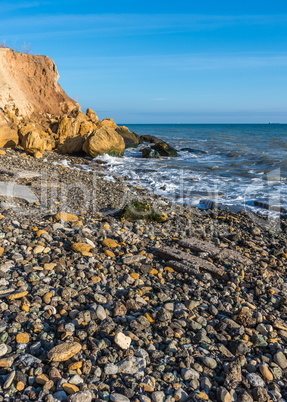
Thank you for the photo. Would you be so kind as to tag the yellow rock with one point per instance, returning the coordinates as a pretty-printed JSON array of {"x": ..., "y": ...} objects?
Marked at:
[
  {"x": 66, "y": 217},
  {"x": 20, "y": 385},
  {"x": 70, "y": 388},
  {"x": 6, "y": 362},
  {"x": 106, "y": 226},
  {"x": 2, "y": 216},
  {"x": 23, "y": 337},
  {"x": 149, "y": 317},
  {"x": 47, "y": 297},
  {"x": 78, "y": 223},
  {"x": 96, "y": 279},
  {"x": 266, "y": 373},
  {"x": 154, "y": 271},
  {"x": 75, "y": 366},
  {"x": 2, "y": 152},
  {"x": 42, "y": 379},
  {"x": 134, "y": 275},
  {"x": 25, "y": 307},
  {"x": 203, "y": 395},
  {"x": 110, "y": 243},
  {"x": 17, "y": 295},
  {"x": 64, "y": 351},
  {"x": 146, "y": 387},
  {"x": 109, "y": 253},
  {"x": 81, "y": 247},
  {"x": 168, "y": 269},
  {"x": 49, "y": 266},
  {"x": 2, "y": 250},
  {"x": 87, "y": 254},
  {"x": 40, "y": 232}
]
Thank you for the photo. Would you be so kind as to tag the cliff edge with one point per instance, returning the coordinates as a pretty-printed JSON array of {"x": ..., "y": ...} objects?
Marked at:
[{"x": 31, "y": 84}]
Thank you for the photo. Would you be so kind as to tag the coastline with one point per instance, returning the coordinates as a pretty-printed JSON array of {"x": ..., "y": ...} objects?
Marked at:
[{"x": 144, "y": 328}]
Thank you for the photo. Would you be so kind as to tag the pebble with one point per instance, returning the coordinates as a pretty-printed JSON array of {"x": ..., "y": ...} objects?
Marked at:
[
  {"x": 3, "y": 349},
  {"x": 64, "y": 351},
  {"x": 265, "y": 372},
  {"x": 281, "y": 360},
  {"x": 209, "y": 362},
  {"x": 122, "y": 340},
  {"x": 82, "y": 396},
  {"x": 118, "y": 398},
  {"x": 255, "y": 380}
]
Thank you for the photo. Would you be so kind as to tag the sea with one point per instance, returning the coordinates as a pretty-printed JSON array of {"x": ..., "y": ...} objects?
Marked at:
[{"x": 238, "y": 166}]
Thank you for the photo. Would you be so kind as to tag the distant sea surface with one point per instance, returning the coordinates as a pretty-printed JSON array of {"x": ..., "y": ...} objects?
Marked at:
[{"x": 232, "y": 164}]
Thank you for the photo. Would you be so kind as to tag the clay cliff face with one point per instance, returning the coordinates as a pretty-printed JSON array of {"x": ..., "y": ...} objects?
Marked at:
[
  {"x": 37, "y": 115},
  {"x": 31, "y": 84}
]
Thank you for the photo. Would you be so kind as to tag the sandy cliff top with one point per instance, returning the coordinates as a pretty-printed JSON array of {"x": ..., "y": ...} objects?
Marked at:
[{"x": 31, "y": 83}]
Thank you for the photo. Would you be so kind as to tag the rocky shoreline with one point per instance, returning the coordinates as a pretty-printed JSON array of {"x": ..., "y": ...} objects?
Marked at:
[{"x": 95, "y": 307}]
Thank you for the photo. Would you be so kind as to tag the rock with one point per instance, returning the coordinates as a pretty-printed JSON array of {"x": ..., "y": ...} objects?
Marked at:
[
  {"x": 104, "y": 140},
  {"x": 255, "y": 380},
  {"x": 110, "y": 243},
  {"x": 165, "y": 149},
  {"x": 29, "y": 360},
  {"x": 132, "y": 365},
  {"x": 3, "y": 349},
  {"x": 150, "y": 153},
  {"x": 64, "y": 351},
  {"x": 118, "y": 398},
  {"x": 92, "y": 115},
  {"x": 72, "y": 145},
  {"x": 158, "y": 396},
  {"x": 101, "y": 313},
  {"x": 265, "y": 372},
  {"x": 82, "y": 396},
  {"x": 131, "y": 139},
  {"x": 223, "y": 395},
  {"x": 70, "y": 388},
  {"x": 81, "y": 247},
  {"x": 111, "y": 369},
  {"x": 209, "y": 362},
  {"x": 35, "y": 144},
  {"x": 8, "y": 136},
  {"x": 23, "y": 337},
  {"x": 122, "y": 340},
  {"x": 65, "y": 217},
  {"x": 281, "y": 360},
  {"x": 9, "y": 380},
  {"x": 189, "y": 374}
]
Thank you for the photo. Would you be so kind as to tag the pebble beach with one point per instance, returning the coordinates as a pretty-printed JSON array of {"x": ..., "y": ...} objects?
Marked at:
[{"x": 95, "y": 307}]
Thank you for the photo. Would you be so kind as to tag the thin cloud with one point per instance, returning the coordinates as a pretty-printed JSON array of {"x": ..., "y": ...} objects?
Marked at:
[
  {"x": 130, "y": 24},
  {"x": 8, "y": 7}
]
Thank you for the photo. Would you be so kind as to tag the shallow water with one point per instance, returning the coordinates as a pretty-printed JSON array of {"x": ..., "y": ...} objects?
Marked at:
[{"x": 231, "y": 164}]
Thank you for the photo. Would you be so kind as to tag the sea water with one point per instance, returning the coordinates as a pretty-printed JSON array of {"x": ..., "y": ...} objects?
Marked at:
[{"x": 235, "y": 165}]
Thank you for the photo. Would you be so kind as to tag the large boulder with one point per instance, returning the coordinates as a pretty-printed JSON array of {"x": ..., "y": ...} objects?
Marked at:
[
  {"x": 92, "y": 115},
  {"x": 75, "y": 124},
  {"x": 8, "y": 136},
  {"x": 110, "y": 123},
  {"x": 72, "y": 145},
  {"x": 104, "y": 140},
  {"x": 131, "y": 139},
  {"x": 35, "y": 144}
]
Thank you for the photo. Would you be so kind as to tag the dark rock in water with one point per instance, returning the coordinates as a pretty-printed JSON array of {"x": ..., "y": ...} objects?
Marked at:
[
  {"x": 265, "y": 205},
  {"x": 194, "y": 151},
  {"x": 150, "y": 138},
  {"x": 159, "y": 149},
  {"x": 150, "y": 153},
  {"x": 131, "y": 139},
  {"x": 165, "y": 149}
]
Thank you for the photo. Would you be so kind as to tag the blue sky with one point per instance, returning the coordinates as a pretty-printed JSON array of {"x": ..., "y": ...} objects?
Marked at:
[{"x": 161, "y": 61}]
